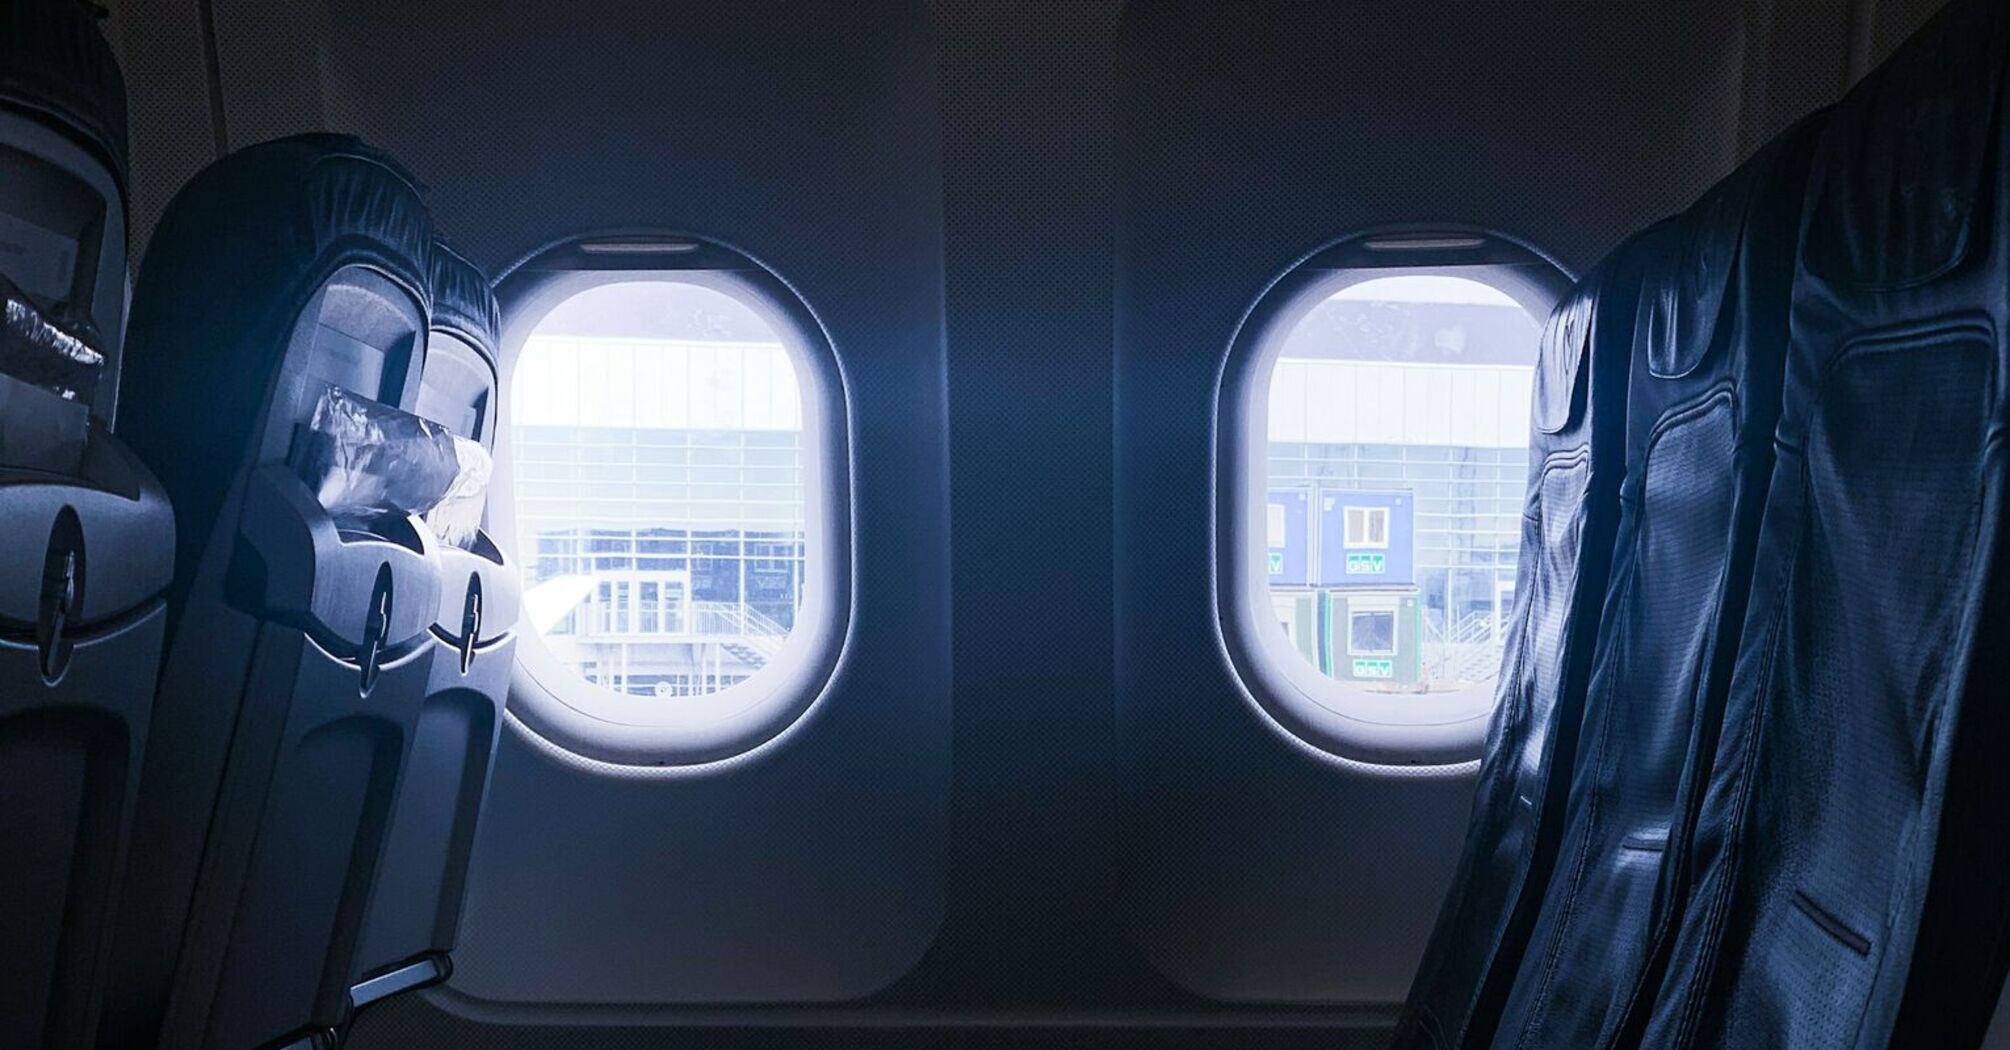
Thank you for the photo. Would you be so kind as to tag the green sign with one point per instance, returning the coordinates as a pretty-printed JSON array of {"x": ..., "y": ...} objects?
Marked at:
[
  {"x": 1374, "y": 668},
  {"x": 1277, "y": 563},
  {"x": 1367, "y": 564}
]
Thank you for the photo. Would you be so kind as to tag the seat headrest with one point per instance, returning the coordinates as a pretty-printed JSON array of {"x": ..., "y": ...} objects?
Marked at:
[
  {"x": 55, "y": 64},
  {"x": 262, "y": 225},
  {"x": 236, "y": 261},
  {"x": 1688, "y": 265},
  {"x": 1562, "y": 357},
  {"x": 463, "y": 302},
  {"x": 1691, "y": 261},
  {"x": 1899, "y": 171},
  {"x": 1686, "y": 277},
  {"x": 1591, "y": 328}
]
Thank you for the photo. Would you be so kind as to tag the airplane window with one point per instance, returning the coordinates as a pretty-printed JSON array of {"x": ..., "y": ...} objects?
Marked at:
[
  {"x": 660, "y": 487},
  {"x": 1384, "y": 426}
]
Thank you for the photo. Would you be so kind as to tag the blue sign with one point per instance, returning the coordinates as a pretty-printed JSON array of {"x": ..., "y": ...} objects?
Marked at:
[
  {"x": 1287, "y": 532},
  {"x": 1367, "y": 538}
]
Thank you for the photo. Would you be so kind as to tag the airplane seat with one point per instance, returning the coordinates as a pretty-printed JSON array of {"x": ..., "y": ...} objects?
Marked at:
[
  {"x": 1709, "y": 353},
  {"x": 91, "y": 536},
  {"x": 1849, "y": 886},
  {"x": 279, "y": 329},
  {"x": 415, "y": 913},
  {"x": 1567, "y": 532}
]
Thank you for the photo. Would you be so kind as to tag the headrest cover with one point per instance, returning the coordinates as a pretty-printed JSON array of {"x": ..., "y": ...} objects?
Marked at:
[
  {"x": 237, "y": 257},
  {"x": 55, "y": 63},
  {"x": 1560, "y": 361},
  {"x": 463, "y": 302},
  {"x": 1900, "y": 168}
]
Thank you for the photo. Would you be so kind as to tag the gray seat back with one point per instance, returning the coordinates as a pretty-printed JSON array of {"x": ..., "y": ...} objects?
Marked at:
[
  {"x": 90, "y": 537},
  {"x": 415, "y": 912},
  {"x": 1567, "y": 532},
  {"x": 299, "y": 649},
  {"x": 1709, "y": 350}
]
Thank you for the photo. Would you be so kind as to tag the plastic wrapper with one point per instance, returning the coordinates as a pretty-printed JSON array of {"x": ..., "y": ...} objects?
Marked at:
[
  {"x": 364, "y": 460},
  {"x": 36, "y": 351},
  {"x": 48, "y": 374},
  {"x": 458, "y": 516}
]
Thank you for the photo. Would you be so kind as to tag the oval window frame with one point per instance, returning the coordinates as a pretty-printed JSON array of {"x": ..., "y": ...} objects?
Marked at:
[
  {"x": 1313, "y": 711},
  {"x": 587, "y": 721}
]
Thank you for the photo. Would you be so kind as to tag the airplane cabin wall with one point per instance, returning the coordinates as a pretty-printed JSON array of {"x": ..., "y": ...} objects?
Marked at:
[
  {"x": 1032, "y": 792},
  {"x": 1256, "y": 869}
]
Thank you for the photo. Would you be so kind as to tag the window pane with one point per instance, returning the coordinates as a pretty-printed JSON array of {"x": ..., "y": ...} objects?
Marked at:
[
  {"x": 1372, "y": 633},
  {"x": 1398, "y": 409},
  {"x": 664, "y": 547}
]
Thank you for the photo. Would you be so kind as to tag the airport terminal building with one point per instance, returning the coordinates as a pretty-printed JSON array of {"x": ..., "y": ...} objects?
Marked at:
[
  {"x": 661, "y": 519},
  {"x": 1398, "y": 462}
]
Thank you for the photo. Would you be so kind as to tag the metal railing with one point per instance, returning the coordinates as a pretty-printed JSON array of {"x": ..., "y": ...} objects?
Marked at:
[
  {"x": 1467, "y": 650},
  {"x": 732, "y": 620}
]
